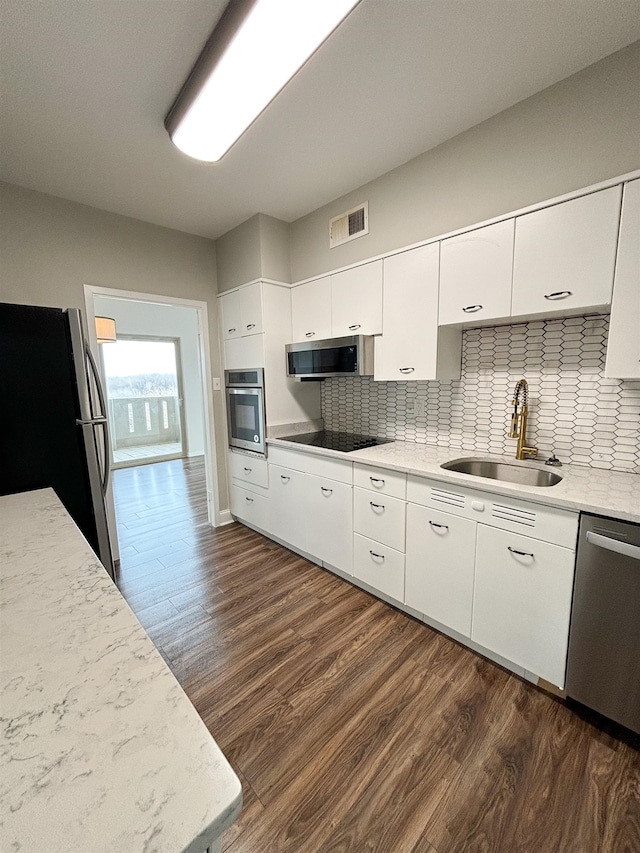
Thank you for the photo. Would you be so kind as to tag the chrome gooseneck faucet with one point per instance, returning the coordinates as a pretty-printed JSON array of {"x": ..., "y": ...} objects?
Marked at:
[{"x": 519, "y": 421}]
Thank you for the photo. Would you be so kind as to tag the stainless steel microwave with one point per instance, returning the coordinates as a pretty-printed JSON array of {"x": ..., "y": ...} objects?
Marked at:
[{"x": 350, "y": 356}]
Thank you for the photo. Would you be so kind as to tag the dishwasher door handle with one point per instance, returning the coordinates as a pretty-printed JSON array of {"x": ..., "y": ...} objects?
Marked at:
[{"x": 624, "y": 548}]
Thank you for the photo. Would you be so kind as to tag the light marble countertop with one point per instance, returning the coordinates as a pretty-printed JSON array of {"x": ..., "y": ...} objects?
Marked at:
[
  {"x": 101, "y": 748},
  {"x": 609, "y": 493}
]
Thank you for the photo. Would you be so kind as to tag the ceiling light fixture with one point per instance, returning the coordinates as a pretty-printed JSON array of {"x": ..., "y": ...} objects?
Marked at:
[{"x": 255, "y": 49}]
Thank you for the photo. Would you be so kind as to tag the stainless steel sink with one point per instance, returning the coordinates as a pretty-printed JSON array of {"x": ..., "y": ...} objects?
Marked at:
[{"x": 508, "y": 472}]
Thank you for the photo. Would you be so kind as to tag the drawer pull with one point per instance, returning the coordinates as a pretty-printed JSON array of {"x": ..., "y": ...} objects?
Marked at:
[
  {"x": 247, "y": 470},
  {"x": 326, "y": 491},
  {"x": 520, "y": 553},
  {"x": 377, "y": 556},
  {"x": 376, "y": 506},
  {"x": 309, "y": 334},
  {"x": 471, "y": 309},
  {"x": 406, "y": 369},
  {"x": 249, "y": 500},
  {"x": 251, "y": 326},
  {"x": 230, "y": 331},
  {"x": 435, "y": 524},
  {"x": 559, "y": 294},
  {"x": 377, "y": 480},
  {"x": 353, "y": 328},
  {"x": 284, "y": 479}
]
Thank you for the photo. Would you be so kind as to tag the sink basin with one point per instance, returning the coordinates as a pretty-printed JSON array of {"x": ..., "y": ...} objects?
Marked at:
[{"x": 508, "y": 472}]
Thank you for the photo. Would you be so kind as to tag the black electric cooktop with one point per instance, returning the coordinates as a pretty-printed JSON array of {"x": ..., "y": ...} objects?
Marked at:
[{"x": 343, "y": 441}]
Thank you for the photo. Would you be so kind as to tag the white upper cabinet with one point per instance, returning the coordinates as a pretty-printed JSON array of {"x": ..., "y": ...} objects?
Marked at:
[
  {"x": 230, "y": 315},
  {"x": 623, "y": 349},
  {"x": 411, "y": 346},
  {"x": 251, "y": 309},
  {"x": 356, "y": 301},
  {"x": 565, "y": 255},
  {"x": 476, "y": 269},
  {"x": 242, "y": 312},
  {"x": 311, "y": 310}
]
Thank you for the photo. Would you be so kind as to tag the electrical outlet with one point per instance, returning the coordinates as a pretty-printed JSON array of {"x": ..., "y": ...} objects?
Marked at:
[
  {"x": 216, "y": 383},
  {"x": 420, "y": 408},
  {"x": 411, "y": 406}
]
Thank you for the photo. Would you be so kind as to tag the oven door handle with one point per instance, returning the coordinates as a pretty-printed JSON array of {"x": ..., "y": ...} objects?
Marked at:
[{"x": 624, "y": 548}]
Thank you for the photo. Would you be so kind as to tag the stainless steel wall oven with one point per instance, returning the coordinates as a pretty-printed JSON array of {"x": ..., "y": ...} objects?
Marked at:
[{"x": 245, "y": 409}]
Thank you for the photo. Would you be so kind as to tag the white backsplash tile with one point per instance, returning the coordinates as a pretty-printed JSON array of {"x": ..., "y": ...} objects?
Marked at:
[{"x": 574, "y": 410}]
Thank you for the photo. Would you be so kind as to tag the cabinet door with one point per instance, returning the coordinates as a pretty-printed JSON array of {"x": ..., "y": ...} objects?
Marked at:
[
  {"x": 311, "y": 310},
  {"x": 250, "y": 507},
  {"x": 244, "y": 353},
  {"x": 565, "y": 255},
  {"x": 379, "y": 566},
  {"x": 230, "y": 314},
  {"x": 251, "y": 309},
  {"x": 288, "y": 510},
  {"x": 441, "y": 551},
  {"x": 623, "y": 349},
  {"x": 411, "y": 346},
  {"x": 330, "y": 522},
  {"x": 356, "y": 301},
  {"x": 522, "y": 601},
  {"x": 476, "y": 269}
]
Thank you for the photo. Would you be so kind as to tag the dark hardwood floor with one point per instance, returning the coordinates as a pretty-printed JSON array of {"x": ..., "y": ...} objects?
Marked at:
[{"x": 352, "y": 726}]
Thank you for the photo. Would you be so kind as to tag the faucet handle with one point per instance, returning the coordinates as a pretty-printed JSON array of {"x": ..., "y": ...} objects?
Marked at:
[{"x": 553, "y": 460}]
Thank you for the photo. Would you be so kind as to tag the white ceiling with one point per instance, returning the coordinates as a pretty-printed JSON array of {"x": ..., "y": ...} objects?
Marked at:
[{"x": 87, "y": 83}]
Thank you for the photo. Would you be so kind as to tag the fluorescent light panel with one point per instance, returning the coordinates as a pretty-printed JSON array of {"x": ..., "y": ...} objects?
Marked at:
[{"x": 274, "y": 40}]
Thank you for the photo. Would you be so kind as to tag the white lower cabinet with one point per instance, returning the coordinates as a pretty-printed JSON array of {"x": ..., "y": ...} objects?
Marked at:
[
  {"x": 288, "y": 514},
  {"x": 330, "y": 521},
  {"x": 379, "y": 566},
  {"x": 250, "y": 506},
  {"x": 522, "y": 601},
  {"x": 440, "y": 566}
]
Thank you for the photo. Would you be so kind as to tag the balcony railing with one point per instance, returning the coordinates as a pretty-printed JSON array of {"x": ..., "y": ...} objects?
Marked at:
[{"x": 136, "y": 421}]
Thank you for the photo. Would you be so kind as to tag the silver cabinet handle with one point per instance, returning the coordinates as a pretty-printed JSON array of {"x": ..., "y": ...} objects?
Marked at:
[
  {"x": 521, "y": 553},
  {"x": 376, "y": 506},
  {"x": 353, "y": 328},
  {"x": 284, "y": 479},
  {"x": 471, "y": 309},
  {"x": 230, "y": 330},
  {"x": 406, "y": 369},
  {"x": 625, "y": 548},
  {"x": 559, "y": 294},
  {"x": 376, "y": 480},
  {"x": 326, "y": 490},
  {"x": 251, "y": 326},
  {"x": 249, "y": 500},
  {"x": 247, "y": 470},
  {"x": 377, "y": 556},
  {"x": 443, "y": 526},
  {"x": 309, "y": 334}
]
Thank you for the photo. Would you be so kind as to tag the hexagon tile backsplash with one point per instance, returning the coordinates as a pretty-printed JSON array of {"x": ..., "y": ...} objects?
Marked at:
[{"x": 574, "y": 410}]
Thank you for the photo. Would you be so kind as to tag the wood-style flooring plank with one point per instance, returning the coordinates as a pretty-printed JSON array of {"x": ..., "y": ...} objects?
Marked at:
[{"x": 352, "y": 726}]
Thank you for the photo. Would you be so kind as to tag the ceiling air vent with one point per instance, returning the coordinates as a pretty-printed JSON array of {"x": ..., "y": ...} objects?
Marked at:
[{"x": 349, "y": 225}]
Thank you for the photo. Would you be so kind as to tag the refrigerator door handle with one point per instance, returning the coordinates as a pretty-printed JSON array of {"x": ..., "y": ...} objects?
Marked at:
[{"x": 101, "y": 421}]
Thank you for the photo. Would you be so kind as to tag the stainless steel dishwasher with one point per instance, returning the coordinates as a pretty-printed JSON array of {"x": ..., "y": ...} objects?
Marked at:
[{"x": 603, "y": 667}]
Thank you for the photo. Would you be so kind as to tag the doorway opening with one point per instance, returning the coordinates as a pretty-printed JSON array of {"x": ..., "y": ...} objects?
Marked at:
[{"x": 145, "y": 400}]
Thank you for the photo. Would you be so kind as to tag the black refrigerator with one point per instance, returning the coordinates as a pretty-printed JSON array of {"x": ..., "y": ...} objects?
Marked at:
[{"x": 53, "y": 418}]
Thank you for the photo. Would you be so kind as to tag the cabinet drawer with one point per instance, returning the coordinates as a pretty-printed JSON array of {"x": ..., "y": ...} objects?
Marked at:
[
  {"x": 321, "y": 466},
  {"x": 380, "y": 480},
  {"x": 249, "y": 469},
  {"x": 380, "y": 518},
  {"x": 250, "y": 507},
  {"x": 379, "y": 566}
]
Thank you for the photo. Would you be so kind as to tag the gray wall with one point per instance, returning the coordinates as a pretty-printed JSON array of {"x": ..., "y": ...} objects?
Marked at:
[
  {"x": 578, "y": 132},
  {"x": 258, "y": 248},
  {"x": 50, "y": 247}
]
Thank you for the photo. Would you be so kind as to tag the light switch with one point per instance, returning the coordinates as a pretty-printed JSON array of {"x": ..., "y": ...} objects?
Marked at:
[{"x": 216, "y": 383}]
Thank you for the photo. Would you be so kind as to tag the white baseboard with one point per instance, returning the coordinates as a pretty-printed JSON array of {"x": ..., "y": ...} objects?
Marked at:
[{"x": 224, "y": 517}]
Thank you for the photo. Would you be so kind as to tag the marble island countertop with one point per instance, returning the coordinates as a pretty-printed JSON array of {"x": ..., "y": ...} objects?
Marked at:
[
  {"x": 608, "y": 493},
  {"x": 102, "y": 750}
]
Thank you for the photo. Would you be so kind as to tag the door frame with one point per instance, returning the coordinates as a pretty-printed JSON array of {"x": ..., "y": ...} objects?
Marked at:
[
  {"x": 216, "y": 517},
  {"x": 167, "y": 339}
]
